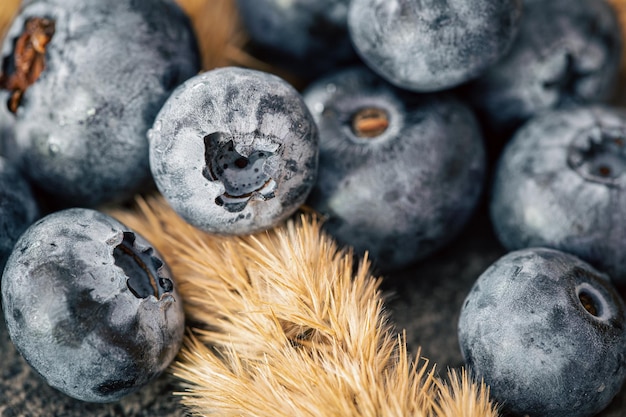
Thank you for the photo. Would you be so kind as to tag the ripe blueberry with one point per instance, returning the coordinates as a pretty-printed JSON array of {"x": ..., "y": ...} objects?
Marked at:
[
  {"x": 566, "y": 52},
  {"x": 561, "y": 183},
  {"x": 399, "y": 173},
  {"x": 234, "y": 151},
  {"x": 546, "y": 331},
  {"x": 83, "y": 81},
  {"x": 18, "y": 208},
  {"x": 91, "y": 305},
  {"x": 428, "y": 45},
  {"x": 308, "y": 37}
]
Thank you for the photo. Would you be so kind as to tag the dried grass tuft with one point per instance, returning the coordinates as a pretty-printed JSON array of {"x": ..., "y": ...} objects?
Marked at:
[{"x": 284, "y": 323}]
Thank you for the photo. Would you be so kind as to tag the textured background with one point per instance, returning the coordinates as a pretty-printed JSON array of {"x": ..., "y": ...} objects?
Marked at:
[{"x": 425, "y": 299}]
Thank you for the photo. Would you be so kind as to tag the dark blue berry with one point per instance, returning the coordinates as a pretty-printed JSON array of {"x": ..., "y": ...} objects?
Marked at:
[
  {"x": 18, "y": 208},
  {"x": 566, "y": 52},
  {"x": 561, "y": 183},
  {"x": 91, "y": 305},
  {"x": 546, "y": 332},
  {"x": 400, "y": 173},
  {"x": 234, "y": 151},
  {"x": 83, "y": 81},
  {"x": 430, "y": 45},
  {"x": 308, "y": 37}
]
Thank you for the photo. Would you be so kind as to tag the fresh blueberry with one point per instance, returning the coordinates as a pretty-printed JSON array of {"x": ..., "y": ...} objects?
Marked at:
[
  {"x": 430, "y": 45},
  {"x": 83, "y": 81},
  {"x": 546, "y": 332},
  {"x": 566, "y": 52},
  {"x": 561, "y": 183},
  {"x": 91, "y": 305},
  {"x": 234, "y": 150},
  {"x": 18, "y": 208},
  {"x": 400, "y": 173},
  {"x": 308, "y": 37}
]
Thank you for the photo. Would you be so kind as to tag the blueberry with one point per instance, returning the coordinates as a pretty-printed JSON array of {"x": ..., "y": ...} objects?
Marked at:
[
  {"x": 400, "y": 173},
  {"x": 308, "y": 37},
  {"x": 18, "y": 208},
  {"x": 561, "y": 183},
  {"x": 429, "y": 45},
  {"x": 91, "y": 305},
  {"x": 234, "y": 150},
  {"x": 546, "y": 331},
  {"x": 566, "y": 52},
  {"x": 83, "y": 81}
]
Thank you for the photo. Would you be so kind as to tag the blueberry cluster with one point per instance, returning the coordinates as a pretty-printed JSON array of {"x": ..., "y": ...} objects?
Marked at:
[
  {"x": 403, "y": 162},
  {"x": 87, "y": 302},
  {"x": 403, "y": 103}
]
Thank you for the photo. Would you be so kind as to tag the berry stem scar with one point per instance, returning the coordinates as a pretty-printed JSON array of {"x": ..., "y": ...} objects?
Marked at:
[
  {"x": 28, "y": 57},
  {"x": 370, "y": 122}
]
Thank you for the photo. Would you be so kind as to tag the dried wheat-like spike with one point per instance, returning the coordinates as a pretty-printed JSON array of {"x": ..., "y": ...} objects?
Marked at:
[
  {"x": 284, "y": 323},
  {"x": 463, "y": 397}
]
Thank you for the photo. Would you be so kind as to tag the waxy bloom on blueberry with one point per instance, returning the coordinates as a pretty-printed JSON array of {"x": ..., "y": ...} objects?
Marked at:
[
  {"x": 83, "y": 81},
  {"x": 432, "y": 45},
  {"x": 234, "y": 151},
  {"x": 18, "y": 208},
  {"x": 561, "y": 183},
  {"x": 546, "y": 332},
  {"x": 400, "y": 173},
  {"x": 566, "y": 53},
  {"x": 91, "y": 305}
]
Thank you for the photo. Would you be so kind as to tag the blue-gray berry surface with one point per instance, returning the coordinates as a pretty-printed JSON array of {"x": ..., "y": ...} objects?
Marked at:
[
  {"x": 234, "y": 151},
  {"x": 18, "y": 208},
  {"x": 308, "y": 37},
  {"x": 7, "y": 136},
  {"x": 91, "y": 306},
  {"x": 566, "y": 52},
  {"x": 400, "y": 173},
  {"x": 546, "y": 332},
  {"x": 561, "y": 183},
  {"x": 430, "y": 45},
  {"x": 105, "y": 71}
]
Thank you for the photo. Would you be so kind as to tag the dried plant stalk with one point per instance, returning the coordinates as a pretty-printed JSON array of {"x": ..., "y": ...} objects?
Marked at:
[{"x": 285, "y": 323}]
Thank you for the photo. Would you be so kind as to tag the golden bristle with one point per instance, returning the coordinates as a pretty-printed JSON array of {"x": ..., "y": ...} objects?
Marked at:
[{"x": 284, "y": 323}]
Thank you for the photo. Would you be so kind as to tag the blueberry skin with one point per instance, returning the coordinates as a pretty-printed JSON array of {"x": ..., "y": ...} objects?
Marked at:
[
  {"x": 431, "y": 45},
  {"x": 234, "y": 151},
  {"x": 91, "y": 305},
  {"x": 525, "y": 330},
  {"x": 566, "y": 52},
  {"x": 308, "y": 37},
  {"x": 561, "y": 183},
  {"x": 7, "y": 137},
  {"x": 18, "y": 208},
  {"x": 401, "y": 193},
  {"x": 80, "y": 128}
]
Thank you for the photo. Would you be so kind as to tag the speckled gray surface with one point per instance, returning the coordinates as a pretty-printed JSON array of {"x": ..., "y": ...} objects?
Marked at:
[{"x": 425, "y": 300}]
